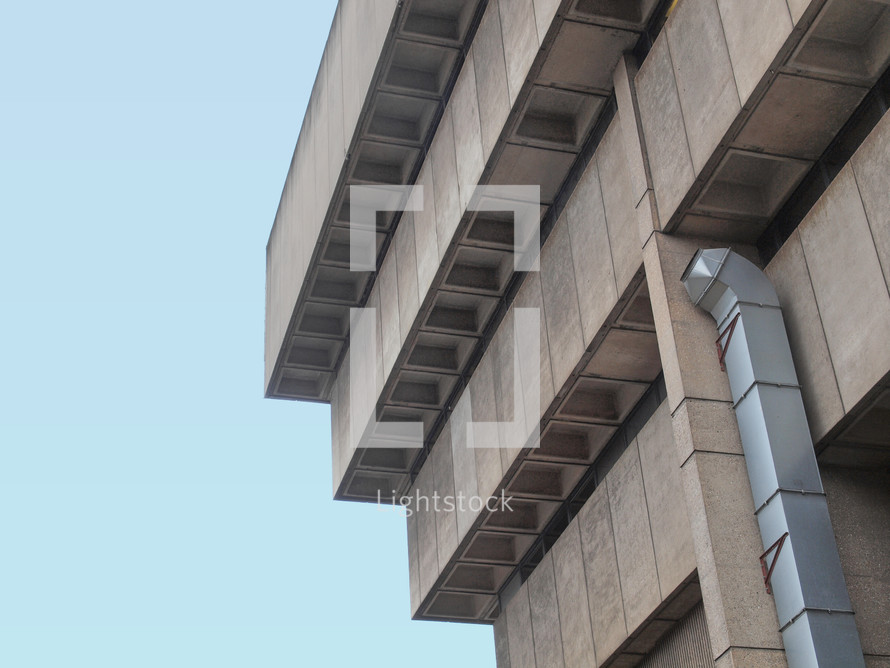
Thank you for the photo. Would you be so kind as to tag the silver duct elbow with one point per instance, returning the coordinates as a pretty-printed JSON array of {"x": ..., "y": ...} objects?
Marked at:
[{"x": 814, "y": 610}]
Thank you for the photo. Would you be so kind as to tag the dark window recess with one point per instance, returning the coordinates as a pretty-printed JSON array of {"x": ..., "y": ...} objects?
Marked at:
[{"x": 820, "y": 176}]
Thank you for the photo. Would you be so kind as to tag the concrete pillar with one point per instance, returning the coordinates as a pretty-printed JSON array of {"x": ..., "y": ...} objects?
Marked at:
[{"x": 741, "y": 616}]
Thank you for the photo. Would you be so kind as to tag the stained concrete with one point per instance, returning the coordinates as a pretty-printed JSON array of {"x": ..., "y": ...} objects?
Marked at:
[
  {"x": 603, "y": 583},
  {"x": 770, "y": 21},
  {"x": 871, "y": 164},
  {"x": 501, "y": 641},
  {"x": 621, "y": 218},
  {"x": 427, "y": 548},
  {"x": 574, "y": 607},
  {"x": 426, "y": 244},
  {"x": 445, "y": 183},
  {"x": 387, "y": 287},
  {"x": 670, "y": 160},
  {"x": 857, "y": 306},
  {"x": 798, "y": 116},
  {"x": 707, "y": 89},
  {"x": 468, "y": 137},
  {"x": 591, "y": 254},
  {"x": 668, "y": 522},
  {"x": 530, "y": 295},
  {"x": 413, "y": 564},
  {"x": 491, "y": 77},
  {"x": 545, "y": 11},
  {"x": 489, "y": 469},
  {"x": 520, "y": 41},
  {"x": 406, "y": 265},
  {"x": 464, "y": 461},
  {"x": 631, "y": 129},
  {"x": 545, "y": 615},
  {"x": 633, "y": 538},
  {"x": 443, "y": 479},
  {"x": 859, "y": 503},
  {"x": 791, "y": 278},
  {"x": 519, "y": 631},
  {"x": 561, "y": 303}
]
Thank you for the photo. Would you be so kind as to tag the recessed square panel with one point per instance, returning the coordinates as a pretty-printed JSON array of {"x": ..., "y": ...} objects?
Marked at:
[
  {"x": 400, "y": 118},
  {"x": 388, "y": 459},
  {"x": 445, "y": 21},
  {"x": 627, "y": 355},
  {"x": 545, "y": 480},
  {"x": 533, "y": 166},
  {"x": 479, "y": 271},
  {"x": 439, "y": 352},
  {"x": 483, "y": 578},
  {"x": 323, "y": 320},
  {"x": 460, "y": 313},
  {"x": 383, "y": 164},
  {"x": 420, "y": 69},
  {"x": 342, "y": 213},
  {"x": 849, "y": 40},
  {"x": 638, "y": 312},
  {"x": 799, "y": 116},
  {"x": 497, "y": 547},
  {"x": 367, "y": 485},
  {"x": 422, "y": 390},
  {"x": 454, "y": 605},
  {"x": 750, "y": 185},
  {"x": 303, "y": 384},
  {"x": 313, "y": 353},
  {"x": 557, "y": 117},
  {"x": 584, "y": 56},
  {"x": 335, "y": 246},
  {"x": 526, "y": 516},
  {"x": 600, "y": 400},
  {"x": 572, "y": 442},
  {"x": 337, "y": 285}
]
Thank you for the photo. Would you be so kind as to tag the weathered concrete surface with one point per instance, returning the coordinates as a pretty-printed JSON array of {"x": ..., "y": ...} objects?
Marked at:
[
  {"x": 790, "y": 276},
  {"x": 707, "y": 89},
  {"x": 847, "y": 282},
  {"x": 859, "y": 503},
  {"x": 633, "y": 538},
  {"x": 591, "y": 258},
  {"x": 669, "y": 524},
  {"x": 491, "y": 77},
  {"x": 561, "y": 303},
  {"x": 770, "y": 21},
  {"x": 574, "y": 607},
  {"x": 520, "y": 41},
  {"x": 468, "y": 147},
  {"x": 545, "y": 615},
  {"x": 670, "y": 160}
]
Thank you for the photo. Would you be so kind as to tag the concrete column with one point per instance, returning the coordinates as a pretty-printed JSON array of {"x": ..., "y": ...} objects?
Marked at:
[{"x": 742, "y": 622}]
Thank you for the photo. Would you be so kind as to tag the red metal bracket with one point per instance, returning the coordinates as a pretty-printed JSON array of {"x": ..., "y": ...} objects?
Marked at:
[
  {"x": 768, "y": 572},
  {"x": 722, "y": 348}
]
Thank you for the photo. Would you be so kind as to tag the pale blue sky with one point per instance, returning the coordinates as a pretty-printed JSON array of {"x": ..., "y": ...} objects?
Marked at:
[{"x": 154, "y": 509}]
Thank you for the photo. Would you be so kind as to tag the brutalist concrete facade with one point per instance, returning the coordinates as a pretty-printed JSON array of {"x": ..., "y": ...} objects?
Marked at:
[{"x": 650, "y": 129}]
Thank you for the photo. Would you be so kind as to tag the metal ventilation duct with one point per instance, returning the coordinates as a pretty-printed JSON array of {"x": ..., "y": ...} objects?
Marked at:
[{"x": 801, "y": 562}]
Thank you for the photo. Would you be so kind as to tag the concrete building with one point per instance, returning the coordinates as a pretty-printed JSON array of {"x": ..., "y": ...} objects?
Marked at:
[{"x": 648, "y": 467}]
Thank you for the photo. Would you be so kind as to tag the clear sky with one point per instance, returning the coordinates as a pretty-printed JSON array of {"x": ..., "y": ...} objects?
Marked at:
[{"x": 155, "y": 510}]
